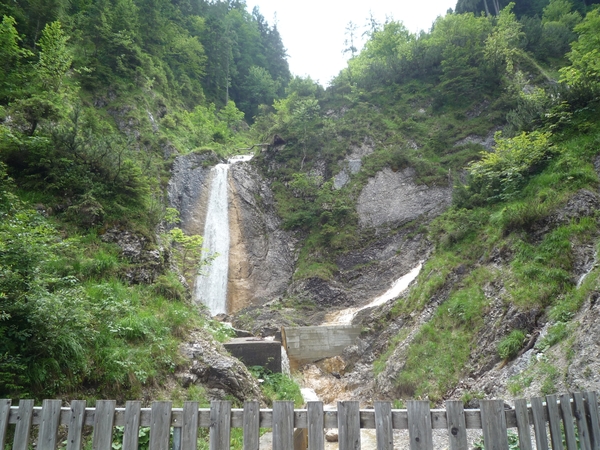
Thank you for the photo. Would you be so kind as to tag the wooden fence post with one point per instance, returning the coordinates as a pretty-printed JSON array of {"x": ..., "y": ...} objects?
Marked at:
[
  {"x": 419, "y": 425},
  {"x": 4, "y": 416},
  {"x": 76, "y": 418},
  {"x": 457, "y": 427},
  {"x": 50, "y": 420},
  {"x": 104, "y": 419},
  {"x": 591, "y": 401},
  {"x": 581, "y": 420},
  {"x": 220, "y": 425},
  {"x": 283, "y": 425},
  {"x": 493, "y": 423},
  {"x": 189, "y": 426},
  {"x": 523, "y": 424},
  {"x": 160, "y": 425},
  {"x": 251, "y": 425},
  {"x": 349, "y": 425},
  {"x": 316, "y": 434},
  {"x": 131, "y": 431},
  {"x": 383, "y": 426},
  {"x": 539, "y": 423},
  {"x": 554, "y": 417}
]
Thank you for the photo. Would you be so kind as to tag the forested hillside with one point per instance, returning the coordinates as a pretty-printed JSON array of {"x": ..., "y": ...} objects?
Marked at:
[
  {"x": 96, "y": 99},
  {"x": 501, "y": 109},
  {"x": 490, "y": 120}
]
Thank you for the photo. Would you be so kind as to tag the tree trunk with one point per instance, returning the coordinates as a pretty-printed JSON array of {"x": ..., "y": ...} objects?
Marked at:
[{"x": 487, "y": 10}]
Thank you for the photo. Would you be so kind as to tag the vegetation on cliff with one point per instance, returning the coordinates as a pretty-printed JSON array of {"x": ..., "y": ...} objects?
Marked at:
[
  {"x": 429, "y": 102},
  {"x": 97, "y": 98}
]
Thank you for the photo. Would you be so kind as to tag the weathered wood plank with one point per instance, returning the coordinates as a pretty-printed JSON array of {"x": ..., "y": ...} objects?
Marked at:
[
  {"x": 131, "y": 427},
  {"x": 160, "y": 429},
  {"x": 283, "y": 425},
  {"x": 383, "y": 426},
  {"x": 75, "y": 420},
  {"x": 523, "y": 424},
  {"x": 349, "y": 425},
  {"x": 23, "y": 427},
  {"x": 581, "y": 421},
  {"x": 457, "y": 426},
  {"x": 220, "y": 426},
  {"x": 50, "y": 420},
  {"x": 419, "y": 425},
  {"x": 568, "y": 421},
  {"x": 539, "y": 423},
  {"x": 591, "y": 401},
  {"x": 554, "y": 419},
  {"x": 316, "y": 434},
  {"x": 104, "y": 418},
  {"x": 189, "y": 426},
  {"x": 251, "y": 425},
  {"x": 4, "y": 418},
  {"x": 493, "y": 422}
]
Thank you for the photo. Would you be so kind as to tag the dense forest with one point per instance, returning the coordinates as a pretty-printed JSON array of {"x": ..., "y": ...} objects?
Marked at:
[{"x": 98, "y": 98}]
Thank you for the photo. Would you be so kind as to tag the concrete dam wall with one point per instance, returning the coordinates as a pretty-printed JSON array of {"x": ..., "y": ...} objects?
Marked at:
[{"x": 308, "y": 344}]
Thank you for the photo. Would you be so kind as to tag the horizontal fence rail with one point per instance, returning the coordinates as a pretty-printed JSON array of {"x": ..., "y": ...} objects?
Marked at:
[{"x": 572, "y": 421}]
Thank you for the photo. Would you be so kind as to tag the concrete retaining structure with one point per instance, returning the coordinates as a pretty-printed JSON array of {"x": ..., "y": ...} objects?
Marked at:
[
  {"x": 256, "y": 351},
  {"x": 309, "y": 344}
]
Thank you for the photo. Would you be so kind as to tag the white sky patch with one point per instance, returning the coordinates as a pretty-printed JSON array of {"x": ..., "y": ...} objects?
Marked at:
[{"x": 313, "y": 31}]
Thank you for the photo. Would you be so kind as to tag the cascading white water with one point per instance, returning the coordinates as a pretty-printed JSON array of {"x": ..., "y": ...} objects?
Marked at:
[
  {"x": 345, "y": 316},
  {"x": 211, "y": 284}
]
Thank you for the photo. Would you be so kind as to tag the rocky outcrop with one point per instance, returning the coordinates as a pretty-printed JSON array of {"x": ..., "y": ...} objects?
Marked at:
[
  {"x": 261, "y": 259},
  {"x": 146, "y": 261},
  {"x": 188, "y": 189},
  {"x": 207, "y": 363},
  {"x": 393, "y": 198}
]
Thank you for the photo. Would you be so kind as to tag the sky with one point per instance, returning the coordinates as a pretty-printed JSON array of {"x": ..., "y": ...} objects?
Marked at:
[{"x": 313, "y": 31}]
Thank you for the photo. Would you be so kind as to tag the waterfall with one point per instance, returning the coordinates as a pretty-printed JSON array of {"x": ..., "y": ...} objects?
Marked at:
[{"x": 211, "y": 284}]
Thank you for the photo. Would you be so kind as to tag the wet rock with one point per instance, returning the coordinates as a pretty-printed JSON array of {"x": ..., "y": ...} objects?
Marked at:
[
  {"x": 208, "y": 364},
  {"x": 263, "y": 267},
  {"x": 187, "y": 190},
  {"x": 323, "y": 293}
]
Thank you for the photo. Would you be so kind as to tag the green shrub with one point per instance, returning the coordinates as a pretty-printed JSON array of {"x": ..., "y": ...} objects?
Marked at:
[
  {"x": 556, "y": 333},
  {"x": 509, "y": 347},
  {"x": 499, "y": 175},
  {"x": 278, "y": 386}
]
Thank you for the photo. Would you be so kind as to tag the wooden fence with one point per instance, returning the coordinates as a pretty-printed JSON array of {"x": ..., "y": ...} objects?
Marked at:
[{"x": 570, "y": 417}]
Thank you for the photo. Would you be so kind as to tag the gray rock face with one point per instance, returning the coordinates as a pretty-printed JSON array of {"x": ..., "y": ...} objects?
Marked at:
[
  {"x": 487, "y": 141},
  {"x": 208, "y": 364},
  {"x": 147, "y": 263},
  {"x": 265, "y": 262},
  {"x": 189, "y": 181},
  {"x": 392, "y": 199},
  {"x": 261, "y": 260}
]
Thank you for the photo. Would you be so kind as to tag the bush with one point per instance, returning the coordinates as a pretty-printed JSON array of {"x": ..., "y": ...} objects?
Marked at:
[
  {"x": 278, "y": 386},
  {"x": 500, "y": 174},
  {"x": 509, "y": 347}
]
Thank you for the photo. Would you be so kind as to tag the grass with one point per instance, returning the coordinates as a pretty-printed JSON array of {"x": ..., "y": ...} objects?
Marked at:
[
  {"x": 437, "y": 357},
  {"x": 509, "y": 347}
]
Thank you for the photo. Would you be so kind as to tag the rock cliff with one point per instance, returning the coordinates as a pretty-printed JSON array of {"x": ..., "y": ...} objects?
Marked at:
[{"x": 261, "y": 259}]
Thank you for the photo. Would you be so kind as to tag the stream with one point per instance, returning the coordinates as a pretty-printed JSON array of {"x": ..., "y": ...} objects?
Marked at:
[{"x": 320, "y": 380}]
